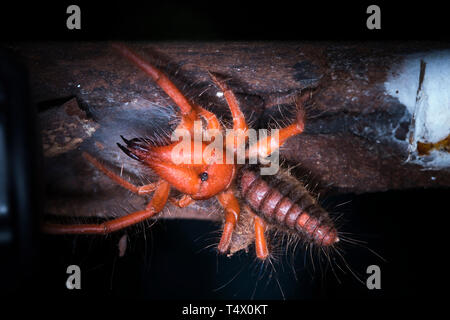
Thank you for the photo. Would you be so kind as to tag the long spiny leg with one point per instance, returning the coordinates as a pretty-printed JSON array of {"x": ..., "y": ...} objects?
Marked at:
[
  {"x": 232, "y": 211},
  {"x": 146, "y": 189},
  {"x": 265, "y": 146},
  {"x": 187, "y": 111},
  {"x": 240, "y": 126},
  {"x": 154, "y": 206}
]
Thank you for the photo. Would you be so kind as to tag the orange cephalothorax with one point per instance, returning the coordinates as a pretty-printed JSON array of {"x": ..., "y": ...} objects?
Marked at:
[{"x": 199, "y": 178}]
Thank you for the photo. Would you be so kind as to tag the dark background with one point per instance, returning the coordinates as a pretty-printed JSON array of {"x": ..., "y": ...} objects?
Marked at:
[
  {"x": 170, "y": 260},
  {"x": 224, "y": 20},
  {"x": 176, "y": 259}
]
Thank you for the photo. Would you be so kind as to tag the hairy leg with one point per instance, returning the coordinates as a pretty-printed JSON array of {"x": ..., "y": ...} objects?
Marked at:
[
  {"x": 154, "y": 206},
  {"x": 232, "y": 211},
  {"x": 266, "y": 146},
  {"x": 240, "y": 126},
  {"x": 260, "y": 226},
  {"x": 238, "y": 116},
  {"x": 260, "y": 240},
  {"x": 187, "y": 112},
  {"x": 146, "y": 189}
]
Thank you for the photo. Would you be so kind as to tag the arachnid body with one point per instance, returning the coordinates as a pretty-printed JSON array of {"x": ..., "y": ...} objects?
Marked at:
[{"x": 270, "y": 201}]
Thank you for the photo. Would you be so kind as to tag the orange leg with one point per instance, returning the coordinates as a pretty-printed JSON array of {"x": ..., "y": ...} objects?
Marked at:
[
  {"x": 260, "y": 240},
  {"x": 238, "y": 116},
  {"x": 187, "y": 112},
  {"x": 239, "y": 124},
  {"x": 262, "y": 252},
  {"x": 119, "y": 180},
  {"x": 155, "y": 205},
  {"x": 183, "y": 202},
  {"x": 266, "y": 146},
  {"x": 232, "y": 211}
]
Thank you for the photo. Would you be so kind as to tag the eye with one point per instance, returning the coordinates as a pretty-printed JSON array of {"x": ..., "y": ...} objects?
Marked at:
[{"x": 204, "y": 176}]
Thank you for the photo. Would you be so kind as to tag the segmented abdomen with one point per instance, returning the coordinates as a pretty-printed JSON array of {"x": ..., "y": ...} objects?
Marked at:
[{"x": 284, "y": 202}]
